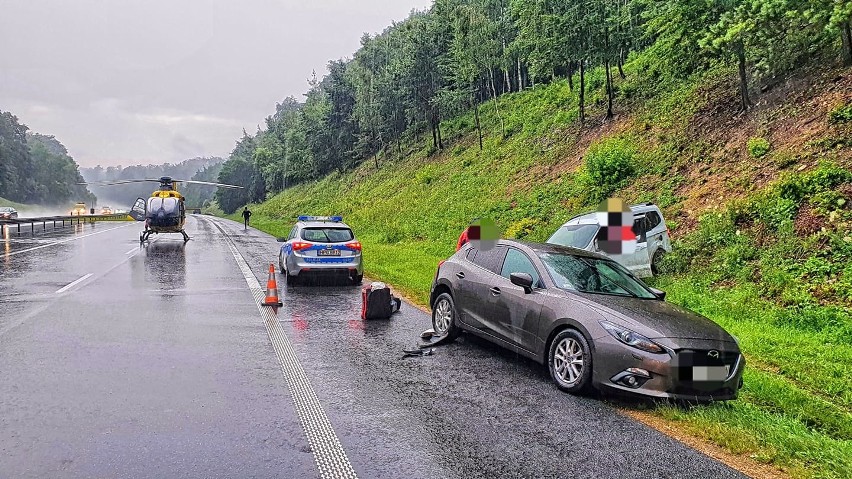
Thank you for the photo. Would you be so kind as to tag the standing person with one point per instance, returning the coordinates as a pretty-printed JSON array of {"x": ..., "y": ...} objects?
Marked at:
[{"x": 246, "y": 216}]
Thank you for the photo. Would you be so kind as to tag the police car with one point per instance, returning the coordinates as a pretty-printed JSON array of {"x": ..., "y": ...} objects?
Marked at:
[{"x": 321, "y": 245}]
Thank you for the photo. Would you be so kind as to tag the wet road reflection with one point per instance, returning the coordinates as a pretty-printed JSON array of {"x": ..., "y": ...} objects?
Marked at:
[{"x": 165, "y": 266}]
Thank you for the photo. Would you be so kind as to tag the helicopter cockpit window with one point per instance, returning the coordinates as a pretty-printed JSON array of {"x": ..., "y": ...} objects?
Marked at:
[{"x": 168, "y": 205}]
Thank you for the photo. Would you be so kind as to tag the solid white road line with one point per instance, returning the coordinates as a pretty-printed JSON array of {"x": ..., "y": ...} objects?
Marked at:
[
  {"x": 133, "y": 250},
  {"x": 13, "y": 253},
  {"x": 75, "y": 283},
  {"x": 330, "y": 458}
]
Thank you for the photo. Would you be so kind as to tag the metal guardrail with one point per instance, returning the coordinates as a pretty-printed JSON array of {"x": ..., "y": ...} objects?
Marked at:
[{"x": 70, "y": 219}]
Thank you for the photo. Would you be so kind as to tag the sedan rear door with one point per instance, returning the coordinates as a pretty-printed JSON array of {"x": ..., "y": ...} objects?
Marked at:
[{"x": 476, "y": 301}]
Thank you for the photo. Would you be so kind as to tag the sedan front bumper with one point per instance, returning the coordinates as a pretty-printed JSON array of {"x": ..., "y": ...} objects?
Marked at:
[{"x": 693, "y": 370}]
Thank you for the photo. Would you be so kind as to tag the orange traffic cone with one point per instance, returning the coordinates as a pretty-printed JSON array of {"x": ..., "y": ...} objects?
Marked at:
[{"x": 272, "y": 289}]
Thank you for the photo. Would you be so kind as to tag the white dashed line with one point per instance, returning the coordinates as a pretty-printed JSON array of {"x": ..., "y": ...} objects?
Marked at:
[
  {"x": 330, "y": 458},
  {"x": 75, "y": 283}
]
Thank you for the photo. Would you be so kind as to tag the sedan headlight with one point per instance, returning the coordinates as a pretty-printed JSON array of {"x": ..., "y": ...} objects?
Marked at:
[{"x": 632, "y": 338}]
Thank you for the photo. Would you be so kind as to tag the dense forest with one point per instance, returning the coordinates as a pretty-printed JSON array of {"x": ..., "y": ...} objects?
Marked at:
[
  {"x": 35, "y": 168},
  {"x": 465, "y": 54},
  {"x": 204, "y": 169}
]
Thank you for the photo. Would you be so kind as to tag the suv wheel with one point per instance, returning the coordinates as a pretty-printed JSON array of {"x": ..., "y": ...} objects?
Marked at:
[
  {"x": 570, "y": 362},
  {"x": 657, "y": 260},
  {"x": 444, "y": 317}
]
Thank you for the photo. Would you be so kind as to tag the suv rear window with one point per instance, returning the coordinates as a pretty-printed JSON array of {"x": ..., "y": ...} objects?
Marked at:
[{"x": 327, "y": 235}]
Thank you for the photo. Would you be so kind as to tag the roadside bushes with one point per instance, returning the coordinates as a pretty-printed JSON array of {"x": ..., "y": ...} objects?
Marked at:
[{"x": 609, "y": 165}]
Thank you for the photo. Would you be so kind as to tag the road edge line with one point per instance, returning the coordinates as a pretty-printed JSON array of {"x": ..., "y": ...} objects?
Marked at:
[{"x": 330, "y": 457}]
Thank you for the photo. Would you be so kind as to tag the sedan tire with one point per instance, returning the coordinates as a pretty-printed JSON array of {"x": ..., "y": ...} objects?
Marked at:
[
  {"x": 570, "y": 362},
  {"x": 444, "y": 316}
]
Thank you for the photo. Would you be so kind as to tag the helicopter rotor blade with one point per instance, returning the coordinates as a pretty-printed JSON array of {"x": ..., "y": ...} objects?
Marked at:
[
  {"x": 220, "y": 185},
  {"x": 159, "y": 180},
  {"x": 117, "y": 182}
]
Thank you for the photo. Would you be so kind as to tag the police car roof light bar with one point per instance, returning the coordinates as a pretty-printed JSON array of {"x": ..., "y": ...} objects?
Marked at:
[{"x": 336, "y": 219}]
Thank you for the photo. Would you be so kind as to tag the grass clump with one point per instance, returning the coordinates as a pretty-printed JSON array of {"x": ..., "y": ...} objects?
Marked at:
[{"x": 758, "y": 147}]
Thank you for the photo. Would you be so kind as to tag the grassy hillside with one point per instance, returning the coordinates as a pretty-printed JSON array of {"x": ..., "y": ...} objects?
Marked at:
[
  {"x": 17, "y": 206},
  {"x": 758, "y": 204}
]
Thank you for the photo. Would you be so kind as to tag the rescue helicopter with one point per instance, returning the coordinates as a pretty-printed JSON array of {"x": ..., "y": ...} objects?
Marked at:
[{"x": 164, "y": 211}]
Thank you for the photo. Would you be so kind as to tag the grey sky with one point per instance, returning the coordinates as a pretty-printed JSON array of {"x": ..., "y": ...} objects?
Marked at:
[{"x": 153, "y": 81}]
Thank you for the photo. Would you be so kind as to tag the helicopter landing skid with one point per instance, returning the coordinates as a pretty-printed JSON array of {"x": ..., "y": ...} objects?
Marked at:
[
  {"x": 143, "y": 237},
  {"x": 185, "y": 236}
]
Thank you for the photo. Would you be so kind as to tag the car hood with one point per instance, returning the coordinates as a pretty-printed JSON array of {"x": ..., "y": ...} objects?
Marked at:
[{"x": 667, "y": 319}]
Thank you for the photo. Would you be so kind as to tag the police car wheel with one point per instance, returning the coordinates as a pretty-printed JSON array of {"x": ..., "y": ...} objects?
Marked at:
[
  {"x": 281, "y": 266},
  {"x": 444, "y": 316},
  {"x": 290, "y": 279},
  {"x": 357, "y": 278}
]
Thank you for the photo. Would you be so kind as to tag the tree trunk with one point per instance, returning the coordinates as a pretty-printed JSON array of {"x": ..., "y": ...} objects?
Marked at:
[
  {"x": 496, "y": 104},
  {"x": 609, "y": 92},
  {"x": 571, "y": 76},
  {"x": 376, "y": 157},
  {"x": 440, "y": 140},
  {"x": 582, "y": 91},
  {"x": 520, "y": 76},
  {"x": 741, "y": 61},
  {"x": 846, "y": 33},
  {"x": 434, "y": 135},
  {"x": 507, "y": 83},
  {"x": 621, "y": 64},
  {"x": 478, "y": 125},
  {"x": 399, "y": 146}
]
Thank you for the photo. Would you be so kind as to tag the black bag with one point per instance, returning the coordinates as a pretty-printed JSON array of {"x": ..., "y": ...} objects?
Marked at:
[{"x": 376, "y": 302}]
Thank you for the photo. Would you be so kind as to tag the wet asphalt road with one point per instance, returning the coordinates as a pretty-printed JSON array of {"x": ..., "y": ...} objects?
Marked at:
[{"x": 158, "y": 364}]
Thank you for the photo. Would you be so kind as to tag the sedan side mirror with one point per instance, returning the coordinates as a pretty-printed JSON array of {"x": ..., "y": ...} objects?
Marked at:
[
  {"x": 523, "y": 280},
  {"x": 660, "y": 294},
  {"x": 281, "y": 240}
]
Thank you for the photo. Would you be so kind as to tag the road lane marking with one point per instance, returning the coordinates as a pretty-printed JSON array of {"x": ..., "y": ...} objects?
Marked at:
[
  {"x": 13, "y": 253},
  {"x": 329, "y": 456},
  {"x": 135, "y": 248},
  {"x": 75, "y": 283}
]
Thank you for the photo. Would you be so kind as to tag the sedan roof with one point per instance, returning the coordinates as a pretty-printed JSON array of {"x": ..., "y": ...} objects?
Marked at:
[{"x": 551, "y": 248}]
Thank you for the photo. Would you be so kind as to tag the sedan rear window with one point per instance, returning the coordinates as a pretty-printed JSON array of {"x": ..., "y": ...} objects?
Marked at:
[
  {"x": 593, "y": 275},
  {"x": 576, "y": 236},
  {"x": 327, "y": 235}
]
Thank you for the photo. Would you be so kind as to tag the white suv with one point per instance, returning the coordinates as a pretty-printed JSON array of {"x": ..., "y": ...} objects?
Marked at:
[{"x": 652, "y": 238}]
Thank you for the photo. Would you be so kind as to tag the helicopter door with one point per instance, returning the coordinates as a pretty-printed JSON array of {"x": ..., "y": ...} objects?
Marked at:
[{"x": 138, "y": 210}]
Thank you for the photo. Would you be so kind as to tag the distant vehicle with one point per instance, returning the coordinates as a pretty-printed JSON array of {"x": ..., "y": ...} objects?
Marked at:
[
  {"x": 320, "y": 245},
  {"x": 196, "y": 211},
  {"x": 106, "y": 210},
  {"x": 79, "y": 209},
  {"x": 594, "y": 325},
  {"x": 8, "y": 213},
  {"x": 652, "y": 238}
]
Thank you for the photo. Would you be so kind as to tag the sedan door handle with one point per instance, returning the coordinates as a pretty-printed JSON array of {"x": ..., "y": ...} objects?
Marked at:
[
  {"x": 495, "y": 291},
  {"x": 460, "y": 275}
]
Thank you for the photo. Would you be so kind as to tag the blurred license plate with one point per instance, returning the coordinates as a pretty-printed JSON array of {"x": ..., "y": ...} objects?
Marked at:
[
  {"x": 710, "y": 373},
  {"x": 328, "y": 252}
]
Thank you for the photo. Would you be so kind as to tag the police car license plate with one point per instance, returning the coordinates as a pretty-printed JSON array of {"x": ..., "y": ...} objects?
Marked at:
[
  {"x": 328, "y": 252},
  {"x": 710, "y": 373}
]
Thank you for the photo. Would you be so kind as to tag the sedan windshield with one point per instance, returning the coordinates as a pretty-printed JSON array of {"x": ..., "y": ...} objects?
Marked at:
[
  {"x": 593, "y": 275},
  {"x": 576, "y": 236}
]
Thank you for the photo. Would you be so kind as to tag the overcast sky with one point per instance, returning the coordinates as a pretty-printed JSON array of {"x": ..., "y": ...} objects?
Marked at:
[{"x": 154, "y": 81}]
